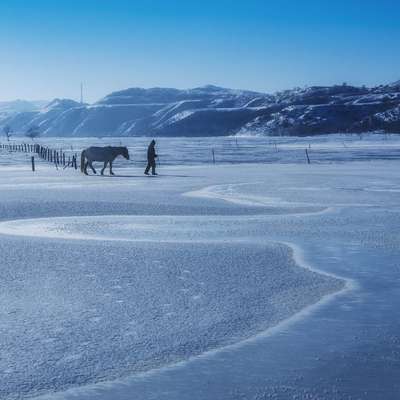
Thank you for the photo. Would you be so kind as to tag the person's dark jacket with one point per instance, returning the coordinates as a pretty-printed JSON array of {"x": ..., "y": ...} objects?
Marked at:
[{"x": 151, "y": 153}]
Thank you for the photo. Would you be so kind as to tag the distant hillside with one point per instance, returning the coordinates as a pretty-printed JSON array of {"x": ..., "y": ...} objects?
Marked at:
[
  {"x": 8, "y": 108},
  {"x": 215, "y": 111}
]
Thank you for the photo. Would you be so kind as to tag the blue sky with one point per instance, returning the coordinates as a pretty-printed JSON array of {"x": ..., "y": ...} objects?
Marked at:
[{"x": 49, "y": 47}]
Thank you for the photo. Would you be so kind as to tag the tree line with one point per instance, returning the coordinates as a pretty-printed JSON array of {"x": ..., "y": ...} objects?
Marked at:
[{"x": 32, "y": 132}]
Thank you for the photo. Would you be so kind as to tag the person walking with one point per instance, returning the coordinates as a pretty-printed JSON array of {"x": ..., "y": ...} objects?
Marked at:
[{"x": 151, "y": 158}]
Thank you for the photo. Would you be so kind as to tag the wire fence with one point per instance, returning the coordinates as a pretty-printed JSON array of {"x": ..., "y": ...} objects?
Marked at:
[{"x": 57, "y": 157}]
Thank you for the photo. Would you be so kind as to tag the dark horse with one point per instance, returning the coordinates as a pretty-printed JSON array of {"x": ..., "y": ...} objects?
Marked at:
[{"x": 106, "y": 154}]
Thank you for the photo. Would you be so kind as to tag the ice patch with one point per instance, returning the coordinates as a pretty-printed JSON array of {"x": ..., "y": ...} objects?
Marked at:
[
  {"x": 228, "y": 193},
  {"x": 168, "y": 229}
]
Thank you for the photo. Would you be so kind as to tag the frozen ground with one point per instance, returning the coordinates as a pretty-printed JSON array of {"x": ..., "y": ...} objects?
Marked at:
[
  {"x": 244, "y": 149},
  {"x": 153, "y": 288}
]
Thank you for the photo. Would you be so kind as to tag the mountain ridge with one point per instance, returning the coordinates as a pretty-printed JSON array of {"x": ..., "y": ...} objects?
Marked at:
[{"x": 215, "y": 111}]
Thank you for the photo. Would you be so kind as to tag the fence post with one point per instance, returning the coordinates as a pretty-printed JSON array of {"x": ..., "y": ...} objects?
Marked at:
[
  {"x": 213, "y": 155},
  {"x": 33, "y": 163},
  {"x": 308, "y": 158}
]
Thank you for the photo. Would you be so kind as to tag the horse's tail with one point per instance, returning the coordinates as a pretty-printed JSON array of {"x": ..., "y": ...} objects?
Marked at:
[{"x": 83, "y": 155}]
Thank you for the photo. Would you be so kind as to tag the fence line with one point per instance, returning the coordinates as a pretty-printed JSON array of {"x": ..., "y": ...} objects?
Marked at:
[{"x": 57, "y": 157}]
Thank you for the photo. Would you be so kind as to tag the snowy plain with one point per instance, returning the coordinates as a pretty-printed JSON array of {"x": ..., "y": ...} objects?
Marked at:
[{"x": 275, "y": 279}]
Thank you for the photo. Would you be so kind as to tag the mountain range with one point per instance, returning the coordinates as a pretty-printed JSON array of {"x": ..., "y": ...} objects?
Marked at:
[
  {"x": 10, "y": 107},
  {"x": 213, "y": 111}
]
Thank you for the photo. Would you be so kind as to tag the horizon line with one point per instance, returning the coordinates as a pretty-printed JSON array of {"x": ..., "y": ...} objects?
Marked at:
[{"x": 345, "y": 83}]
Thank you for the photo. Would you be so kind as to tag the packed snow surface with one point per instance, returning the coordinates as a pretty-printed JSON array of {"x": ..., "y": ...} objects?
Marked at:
[{"x": 208, "y": 281}]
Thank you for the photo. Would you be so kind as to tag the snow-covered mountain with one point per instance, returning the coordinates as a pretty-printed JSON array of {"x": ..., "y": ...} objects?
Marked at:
[
  {"x": 45, "y": 118},
  {"x": 8, "y": 108},
  {"x": 215, "y": 111},
  {"x": 332, "y": 109}
]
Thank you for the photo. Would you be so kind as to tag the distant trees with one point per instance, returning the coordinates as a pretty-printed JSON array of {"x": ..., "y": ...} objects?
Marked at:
[
  {"x": 7, "y": 131},
  {"x": 33, "y": 132}
]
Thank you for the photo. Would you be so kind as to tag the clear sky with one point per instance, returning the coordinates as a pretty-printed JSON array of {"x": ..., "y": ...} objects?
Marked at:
[{"x": 49, "y": 46}]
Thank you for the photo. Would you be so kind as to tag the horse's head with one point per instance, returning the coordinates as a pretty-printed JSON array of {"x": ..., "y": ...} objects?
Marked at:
[{"x": 124, "y": 152}]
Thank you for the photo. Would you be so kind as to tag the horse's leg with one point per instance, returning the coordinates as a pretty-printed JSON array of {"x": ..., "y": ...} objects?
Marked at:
[
  {"x": 104, "y": 167},
  {"x": 85, "y": 168},
  {"x": 91, "y": 166},
  {"x": 111, "y": 172}
]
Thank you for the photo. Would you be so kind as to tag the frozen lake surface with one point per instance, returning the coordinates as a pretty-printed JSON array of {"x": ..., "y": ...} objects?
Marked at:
[{"x": 247, "y": 281}]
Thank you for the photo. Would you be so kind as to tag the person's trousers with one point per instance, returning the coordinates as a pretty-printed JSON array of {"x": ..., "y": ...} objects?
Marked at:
[{"x": 152, "y": 165}]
